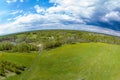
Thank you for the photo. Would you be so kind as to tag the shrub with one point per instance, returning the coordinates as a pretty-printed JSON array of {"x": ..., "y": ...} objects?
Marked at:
[
  {"x": 17, "y": 71},
  {"x": 8, "y": 66},
  {"x": 50, "y": 45},
  {"x": 24, "y": 47},
  {"x": 5, "y": 46}
]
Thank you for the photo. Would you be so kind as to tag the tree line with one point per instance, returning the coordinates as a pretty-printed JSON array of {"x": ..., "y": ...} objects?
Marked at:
[
  {"x": 29, "y": 41},
  {"x": 20, "y": 47}
]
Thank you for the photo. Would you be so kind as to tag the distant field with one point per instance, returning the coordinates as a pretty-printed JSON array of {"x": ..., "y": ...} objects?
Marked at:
[{"x": 81, "y": 61}]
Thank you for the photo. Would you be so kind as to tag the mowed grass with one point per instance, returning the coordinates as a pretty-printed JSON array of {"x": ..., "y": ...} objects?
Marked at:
[{"x": 81, "y": 61}]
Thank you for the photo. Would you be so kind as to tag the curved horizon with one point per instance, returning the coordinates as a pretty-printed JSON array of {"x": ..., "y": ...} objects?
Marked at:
[{"x": 87, "y": 15}]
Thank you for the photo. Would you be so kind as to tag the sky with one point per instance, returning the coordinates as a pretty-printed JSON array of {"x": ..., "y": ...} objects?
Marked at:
[{"x": 102, "y": 16}]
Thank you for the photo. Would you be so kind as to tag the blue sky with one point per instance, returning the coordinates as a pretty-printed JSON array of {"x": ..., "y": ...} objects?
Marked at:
[{"x": 101, "y": 16}]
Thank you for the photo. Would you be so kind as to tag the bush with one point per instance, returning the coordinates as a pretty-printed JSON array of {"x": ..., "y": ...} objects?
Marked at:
[
  {"x": 24, "y": 47},
  {"x": 17, "y": 71},
  {"x": 8, "y": 66},
  {"x": 50, "y": 45},
  {"x": 5, "y": 46},
  {"x": 22, "y": 68}
]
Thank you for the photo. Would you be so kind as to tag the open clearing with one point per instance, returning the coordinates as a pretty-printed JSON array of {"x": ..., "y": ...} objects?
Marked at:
[{"x": 80, "y": 61}]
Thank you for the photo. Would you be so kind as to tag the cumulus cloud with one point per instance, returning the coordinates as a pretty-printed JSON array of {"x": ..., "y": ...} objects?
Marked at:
[
  {"x": 78, "y": 8},
  {"x": 36, "y": 21},
  {"x": 70, "y": 14}
]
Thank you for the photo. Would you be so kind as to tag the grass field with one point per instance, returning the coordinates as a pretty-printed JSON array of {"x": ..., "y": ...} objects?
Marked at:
[
  {"x": 81, "y": 61},
  {"x": 19, "y": 59}
]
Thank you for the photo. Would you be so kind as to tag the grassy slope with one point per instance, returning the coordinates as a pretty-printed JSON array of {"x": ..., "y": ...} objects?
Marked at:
[{"x": 82, "y": 61}]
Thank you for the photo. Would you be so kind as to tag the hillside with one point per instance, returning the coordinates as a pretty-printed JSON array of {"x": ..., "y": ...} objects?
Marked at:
[{"x": 81, "y": 61}]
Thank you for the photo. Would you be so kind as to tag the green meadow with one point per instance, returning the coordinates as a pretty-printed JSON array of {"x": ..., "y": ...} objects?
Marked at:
[
  {"x": 59, "y": 55},
  {"x": 80, "y": 61}
]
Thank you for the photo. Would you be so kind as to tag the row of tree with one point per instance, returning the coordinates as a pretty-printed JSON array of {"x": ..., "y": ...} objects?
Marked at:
[
  {"x": 20, "y": 47},
  {"x": 62, "y": 35},
  {"x": 27, "y": 47},
  {"x": 29, "y": 41}
]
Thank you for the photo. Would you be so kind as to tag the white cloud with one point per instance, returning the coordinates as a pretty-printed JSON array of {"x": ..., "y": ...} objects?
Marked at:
[
  {"x": 114, "y": 15},
  {"x": 106, "y": 8},
  {"x": 63, "y": 11},
  {"x": 79, "y": 8},
  {"x": 10, "y": 1},
  {"x": 39, "y": 9},
  {"x": 21, "y": 0},
  {"x": 111, "y": 4},
  {"x": 76, "y": 8},
  {"x": 16, "y": 12},
  {"x": 36, "y": 21}
]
